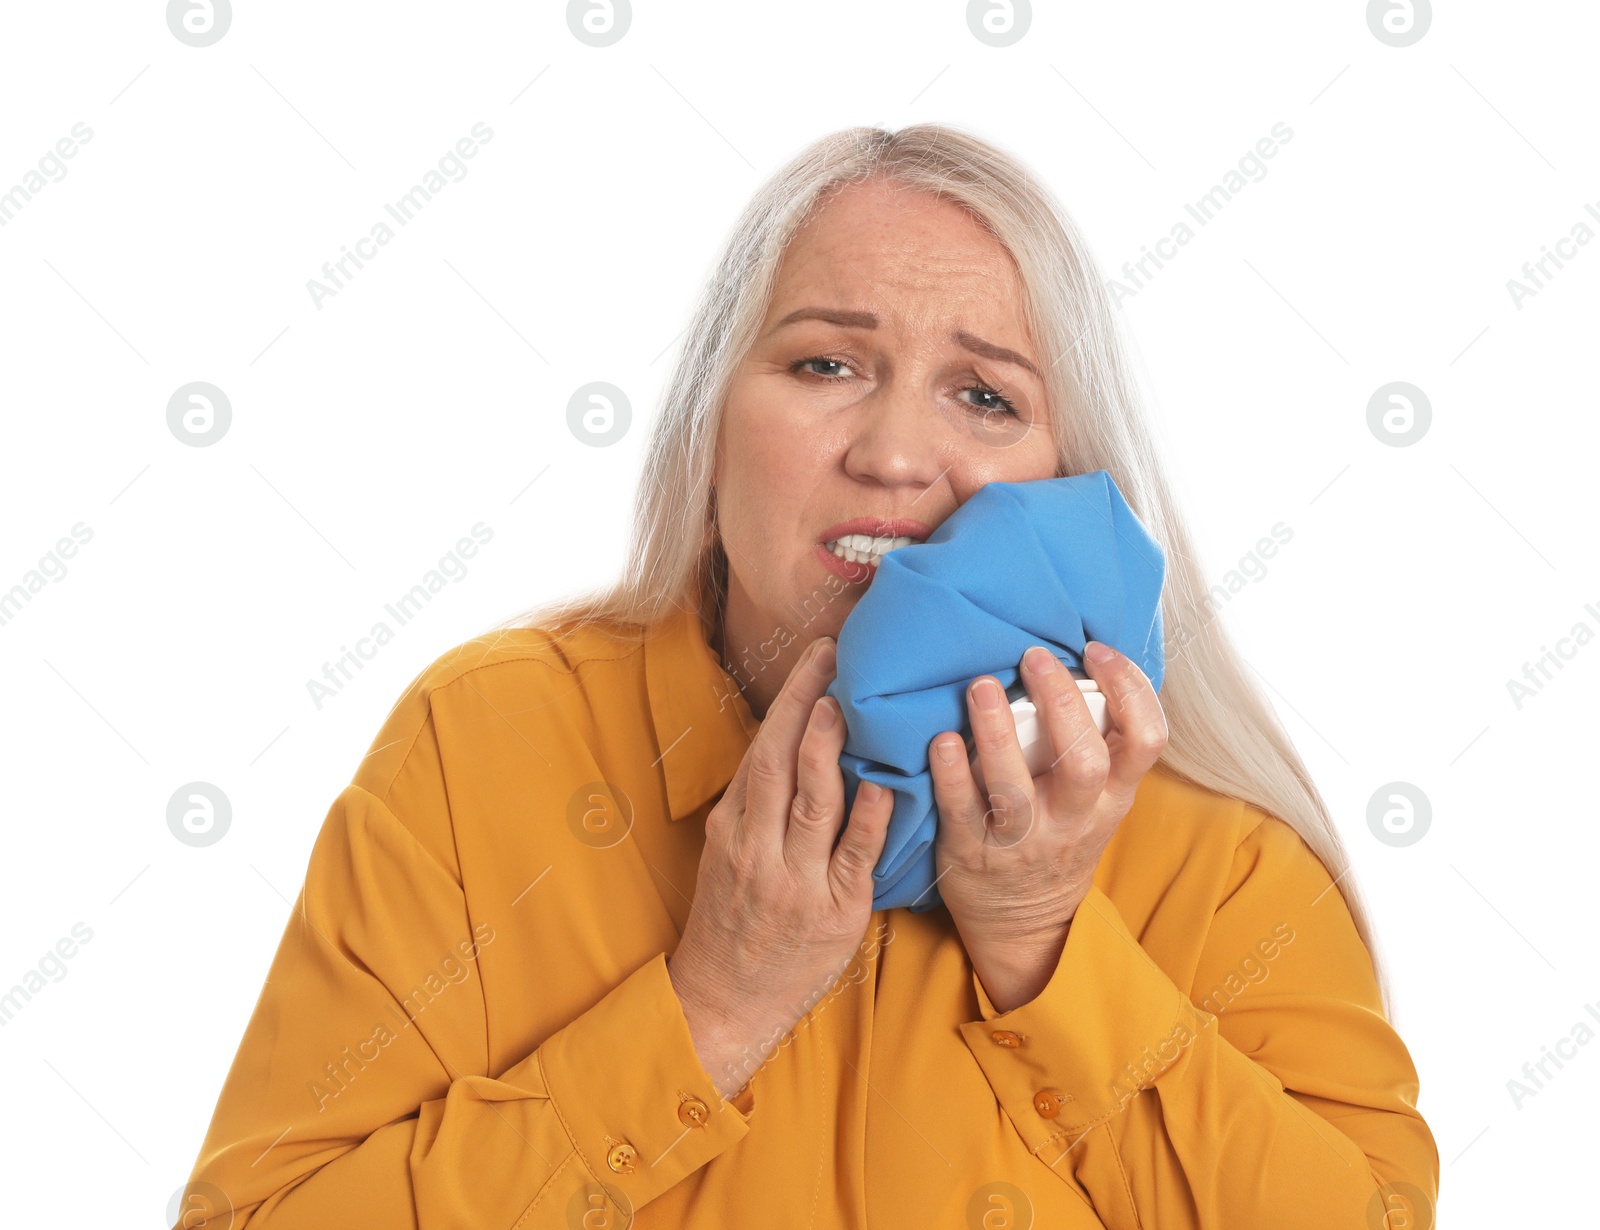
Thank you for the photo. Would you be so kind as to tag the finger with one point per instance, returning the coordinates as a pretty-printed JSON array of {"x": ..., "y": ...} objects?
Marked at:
[
  {"x": 956, "y": 793},
  {"x": 818, "y": 803},
  {"x": 1007, "y": 784},
  {"x": 770, "y": 778},
  {"x": 856, "y": 856},
  {"x": 1080, "y": 759},
  {"x": 1140, "y": 735}
]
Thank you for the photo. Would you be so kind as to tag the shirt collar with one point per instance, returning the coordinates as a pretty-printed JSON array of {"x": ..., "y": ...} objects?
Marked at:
[{"x": 702, "y": 720}]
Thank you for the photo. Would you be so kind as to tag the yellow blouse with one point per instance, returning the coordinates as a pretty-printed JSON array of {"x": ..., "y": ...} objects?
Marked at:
[{"x": 469, "y": 1023}]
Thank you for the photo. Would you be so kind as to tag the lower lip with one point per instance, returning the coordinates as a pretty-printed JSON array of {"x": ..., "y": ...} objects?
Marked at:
[{"x": 855, "y": 573}]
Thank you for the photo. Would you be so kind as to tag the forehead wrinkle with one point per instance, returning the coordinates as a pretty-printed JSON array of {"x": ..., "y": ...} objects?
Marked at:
[
  {"x": 904, "y": 282},
  {"x": 881, "y": 295}
]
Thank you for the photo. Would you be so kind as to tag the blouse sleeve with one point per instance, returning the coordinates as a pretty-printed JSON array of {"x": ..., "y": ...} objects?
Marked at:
[
  {"x": 361, "y": 1093},
  {"x": 1273, "y": 1091}
]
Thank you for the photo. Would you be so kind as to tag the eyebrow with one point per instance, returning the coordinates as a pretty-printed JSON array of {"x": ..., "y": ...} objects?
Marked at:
[{"x": 866, "y": 320}]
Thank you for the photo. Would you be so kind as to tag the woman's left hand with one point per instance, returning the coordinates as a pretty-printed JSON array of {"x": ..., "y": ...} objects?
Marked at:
[{"x": 1013, "y": 871}]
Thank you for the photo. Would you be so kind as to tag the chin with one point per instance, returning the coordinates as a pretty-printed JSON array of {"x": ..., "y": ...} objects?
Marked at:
[{"x": 828, "y": 620}]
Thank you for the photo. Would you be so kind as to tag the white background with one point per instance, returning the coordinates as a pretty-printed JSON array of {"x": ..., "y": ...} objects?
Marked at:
[{"x": 430, "y": 394}]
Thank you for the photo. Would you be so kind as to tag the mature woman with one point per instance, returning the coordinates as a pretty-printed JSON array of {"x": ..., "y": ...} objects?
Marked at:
[{"x": 589, "y": 938}]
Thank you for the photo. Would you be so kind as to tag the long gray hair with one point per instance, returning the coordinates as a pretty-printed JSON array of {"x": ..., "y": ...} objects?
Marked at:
[{"x": 1222, "y": 734}]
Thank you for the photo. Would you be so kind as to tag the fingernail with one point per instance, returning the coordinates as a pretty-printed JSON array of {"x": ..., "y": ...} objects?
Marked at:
[
  {"x": 822, "y": 714},
  {"x": 987, "y": 693},
  {"x": 869, "y": 792},
  {"x": 946, "y": 748},
  {"x": 1096, "y": 652},
  {"x": 1037, "y": 660},
  {"x": 822, "y": 660}
]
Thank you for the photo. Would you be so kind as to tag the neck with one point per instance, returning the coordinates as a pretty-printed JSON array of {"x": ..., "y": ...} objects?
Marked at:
[{"x": 758, "y": 676}]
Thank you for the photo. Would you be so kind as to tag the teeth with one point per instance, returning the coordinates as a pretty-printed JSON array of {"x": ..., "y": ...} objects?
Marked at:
[{"x": 864, "y": 549}]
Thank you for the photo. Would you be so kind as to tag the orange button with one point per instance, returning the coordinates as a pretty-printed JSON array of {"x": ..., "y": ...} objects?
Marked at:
[
  {"x": 1006, "y": 1038},
  {"x": 692, "y": 1112},
  {"x": 621, "y": 1158},
  {"x": 1048, "y": 1102}
]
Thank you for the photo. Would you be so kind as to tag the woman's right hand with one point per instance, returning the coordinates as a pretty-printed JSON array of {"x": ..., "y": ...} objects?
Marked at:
[{"x": 778, "y": 910}]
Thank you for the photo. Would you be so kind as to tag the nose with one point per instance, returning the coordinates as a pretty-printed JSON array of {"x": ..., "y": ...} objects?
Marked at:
[{"x": 900, "y": 437}]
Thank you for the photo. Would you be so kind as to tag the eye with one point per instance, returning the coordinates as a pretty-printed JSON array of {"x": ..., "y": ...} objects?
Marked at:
[
  {"x": 1001, "y": 402},
  {"x": 797, "y": 366}
]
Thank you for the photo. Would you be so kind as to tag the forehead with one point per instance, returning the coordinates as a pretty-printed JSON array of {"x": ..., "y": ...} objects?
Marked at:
[{"x": 885, "y": 241}]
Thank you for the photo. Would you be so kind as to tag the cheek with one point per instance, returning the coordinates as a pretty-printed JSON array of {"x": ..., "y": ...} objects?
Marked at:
[
  {"x": 968, "y": 475},
  {"x": 1038, "y": 460},
  {"x": 1032, "y": 456},
  {"x": 776, "y": 463},
  {"x": 762, "y": 489}
]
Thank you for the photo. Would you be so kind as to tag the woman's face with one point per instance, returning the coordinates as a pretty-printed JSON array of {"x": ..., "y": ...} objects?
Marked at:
[{"x": 892, "y": 378}]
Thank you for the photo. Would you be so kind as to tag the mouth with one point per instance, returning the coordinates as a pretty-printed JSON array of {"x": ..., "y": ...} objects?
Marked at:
[
  {"x": 854, "y": 548},
  {"x": 862, "y": 549}
]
